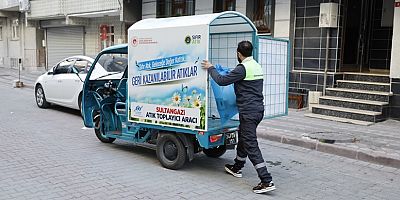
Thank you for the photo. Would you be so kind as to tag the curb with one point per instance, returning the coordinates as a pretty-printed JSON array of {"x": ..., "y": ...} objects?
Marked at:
[{"x": 356, "y": 154}]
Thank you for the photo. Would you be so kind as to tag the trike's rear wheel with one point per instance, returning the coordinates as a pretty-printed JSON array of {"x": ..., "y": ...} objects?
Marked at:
[
  {"x": 170, "y": 151},
  {"x": 99, "y": 131},
  {"x": 215, "y": 152}
]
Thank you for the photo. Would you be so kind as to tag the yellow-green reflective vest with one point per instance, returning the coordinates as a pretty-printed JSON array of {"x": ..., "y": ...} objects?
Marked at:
[{"x": 253, "y": 69}]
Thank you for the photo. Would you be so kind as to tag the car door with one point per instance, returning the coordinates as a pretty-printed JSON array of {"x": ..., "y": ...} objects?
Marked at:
[
  {"x": 73, "y": 82},
  {"x": 55, "y": 87},
  {"x": 49, "y": 84}
]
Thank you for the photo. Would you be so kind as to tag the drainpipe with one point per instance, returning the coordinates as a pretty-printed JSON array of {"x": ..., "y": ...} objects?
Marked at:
[
  {"x": 326, "y": 60},
  {"x": 327, "y": 19},
  {"x": 21, "y": 40},
  {"x": 46, "y": 50}
]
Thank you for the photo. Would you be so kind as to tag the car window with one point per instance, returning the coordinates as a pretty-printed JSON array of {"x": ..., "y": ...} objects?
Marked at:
[
  {"x": 64, "y": 67},
  {"x": 88, "y": 66},
  {"x": 81, "y": 66}
]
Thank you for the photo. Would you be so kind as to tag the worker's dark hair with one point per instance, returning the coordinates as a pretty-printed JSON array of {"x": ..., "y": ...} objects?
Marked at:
[{"x": 245, "y": 48}]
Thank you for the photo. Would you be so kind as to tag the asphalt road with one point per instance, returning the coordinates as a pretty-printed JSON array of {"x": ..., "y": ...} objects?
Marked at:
[{"x": 46, "y": 154}]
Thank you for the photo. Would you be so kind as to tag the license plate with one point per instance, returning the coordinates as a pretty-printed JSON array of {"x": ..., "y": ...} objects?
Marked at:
[{"x": 230, "y": 138}]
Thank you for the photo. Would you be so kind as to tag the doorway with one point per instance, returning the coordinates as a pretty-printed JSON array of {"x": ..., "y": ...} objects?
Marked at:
[{"x": 367, "y": 36}]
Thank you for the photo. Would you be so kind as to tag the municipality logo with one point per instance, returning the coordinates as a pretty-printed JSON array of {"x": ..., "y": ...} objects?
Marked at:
[
  {"x": 138, "y": 110},
  {"x": 135, "y": 41}
]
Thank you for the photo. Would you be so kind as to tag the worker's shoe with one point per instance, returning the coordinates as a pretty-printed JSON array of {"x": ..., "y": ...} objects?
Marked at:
[
  {"x": 231, "y": 169},
  {"x": 264, "y": 187}
]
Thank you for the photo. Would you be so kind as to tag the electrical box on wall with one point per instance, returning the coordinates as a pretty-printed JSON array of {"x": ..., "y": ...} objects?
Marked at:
[
  {"x": 24, "y": 5},
  {"x": 328, "y": 15}
]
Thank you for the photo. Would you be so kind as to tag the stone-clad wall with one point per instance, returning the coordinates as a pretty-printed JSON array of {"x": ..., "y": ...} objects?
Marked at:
[
  {"x": 395, "y": 99},
  {"x": 309, "y": 44}
]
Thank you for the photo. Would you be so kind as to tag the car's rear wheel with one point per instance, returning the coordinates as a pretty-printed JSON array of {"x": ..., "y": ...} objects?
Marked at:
[{"x": 41, "y": 97}]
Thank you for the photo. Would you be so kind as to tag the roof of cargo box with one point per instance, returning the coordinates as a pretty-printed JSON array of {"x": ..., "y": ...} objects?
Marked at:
[{"x": 229, "y": 21}]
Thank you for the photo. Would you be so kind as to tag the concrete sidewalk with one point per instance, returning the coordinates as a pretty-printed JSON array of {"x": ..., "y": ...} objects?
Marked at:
[
  {"x": 28, "y": 77},
  {"x": 378, "y": 143}
]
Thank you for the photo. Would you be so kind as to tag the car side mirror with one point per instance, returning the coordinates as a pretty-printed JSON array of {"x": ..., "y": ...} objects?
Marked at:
[{"x": 50, "y": 73}]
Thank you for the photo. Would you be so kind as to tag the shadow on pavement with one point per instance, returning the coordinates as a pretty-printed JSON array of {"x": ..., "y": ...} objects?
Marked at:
[
  {"x": 200, "y": 161},
  {"x": 65, "y": 110}
]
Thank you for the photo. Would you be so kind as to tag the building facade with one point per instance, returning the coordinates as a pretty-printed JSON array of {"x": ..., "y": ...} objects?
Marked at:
[
  {"x": 50, "y": 30},
  {"x": 15, "y": 41},
  {"x": 272, "y": 17},
  {"x": 46, "y": 31},
  {"x": 74, "y": 27},
  {"x": 362, "y": 41},
  {"x": 366, "y": 39},
  {"x": 365, "y": 44}
]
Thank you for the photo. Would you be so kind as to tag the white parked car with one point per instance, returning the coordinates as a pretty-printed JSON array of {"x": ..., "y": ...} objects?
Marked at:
[{"x": 63, "y": 83}]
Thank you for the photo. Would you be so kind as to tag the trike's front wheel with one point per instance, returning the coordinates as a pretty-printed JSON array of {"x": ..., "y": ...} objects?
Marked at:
[
  {"x": 215, "y": 152},
  {"x": 99, "y": 131},
  {"x": 170, "y": 151}
]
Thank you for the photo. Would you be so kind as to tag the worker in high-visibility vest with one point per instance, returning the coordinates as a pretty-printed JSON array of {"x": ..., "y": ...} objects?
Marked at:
[{"x": 247, "y": 78}]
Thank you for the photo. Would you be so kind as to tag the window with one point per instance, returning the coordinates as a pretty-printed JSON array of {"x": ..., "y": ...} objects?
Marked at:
[
  {"x": 224, "y": 5},
  {"x": 106, "y": 33},
  {"x": 1, "y": 33},
  {"x": 109, "y": 66},
  {"x": 113, "y": 62},
  {"x": 260, "y": 12},
  {"x": 82, "y": 66},
  {"x": 64, "y": 67},
  {"x": 15, "y": 30},
  {"x": 174, "y": 8}
]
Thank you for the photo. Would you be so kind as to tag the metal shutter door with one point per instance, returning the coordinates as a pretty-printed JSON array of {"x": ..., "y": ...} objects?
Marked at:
[{"x": 63, "y": 42}]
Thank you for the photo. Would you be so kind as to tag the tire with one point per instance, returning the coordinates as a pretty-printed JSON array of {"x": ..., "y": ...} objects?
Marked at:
[
  {"x": 99, "y": 133},
  {"x": 80, "y": 104},
  {"x": 170, "y": 151},
  {"x": 40, "y": 97},
  {"x": 215, "y": 152}
]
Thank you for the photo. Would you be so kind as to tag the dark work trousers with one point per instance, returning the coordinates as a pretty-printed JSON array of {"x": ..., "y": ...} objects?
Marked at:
[{"x": 248, "y": 145}]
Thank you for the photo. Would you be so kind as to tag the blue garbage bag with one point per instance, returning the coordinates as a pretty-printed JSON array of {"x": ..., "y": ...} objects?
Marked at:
[{"x": 225, "y": 97}]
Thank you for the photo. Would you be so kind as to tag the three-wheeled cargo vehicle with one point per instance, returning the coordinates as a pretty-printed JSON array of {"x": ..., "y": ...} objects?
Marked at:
[{"x": 157, "y": 95}]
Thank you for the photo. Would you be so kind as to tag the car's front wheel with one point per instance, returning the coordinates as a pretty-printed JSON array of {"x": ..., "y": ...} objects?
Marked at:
[{"x": 40, "y": 97}]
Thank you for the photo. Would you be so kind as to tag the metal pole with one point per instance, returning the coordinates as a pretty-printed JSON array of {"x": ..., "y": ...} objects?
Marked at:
[
  {"x": 19, "y": 69},
  {"x": 19, "y": 84},
  {"x": 326, "y": 59}
]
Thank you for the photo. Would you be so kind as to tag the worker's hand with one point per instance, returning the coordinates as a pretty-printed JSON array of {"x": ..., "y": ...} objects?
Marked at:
[{"x": 205, "y": 64}]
